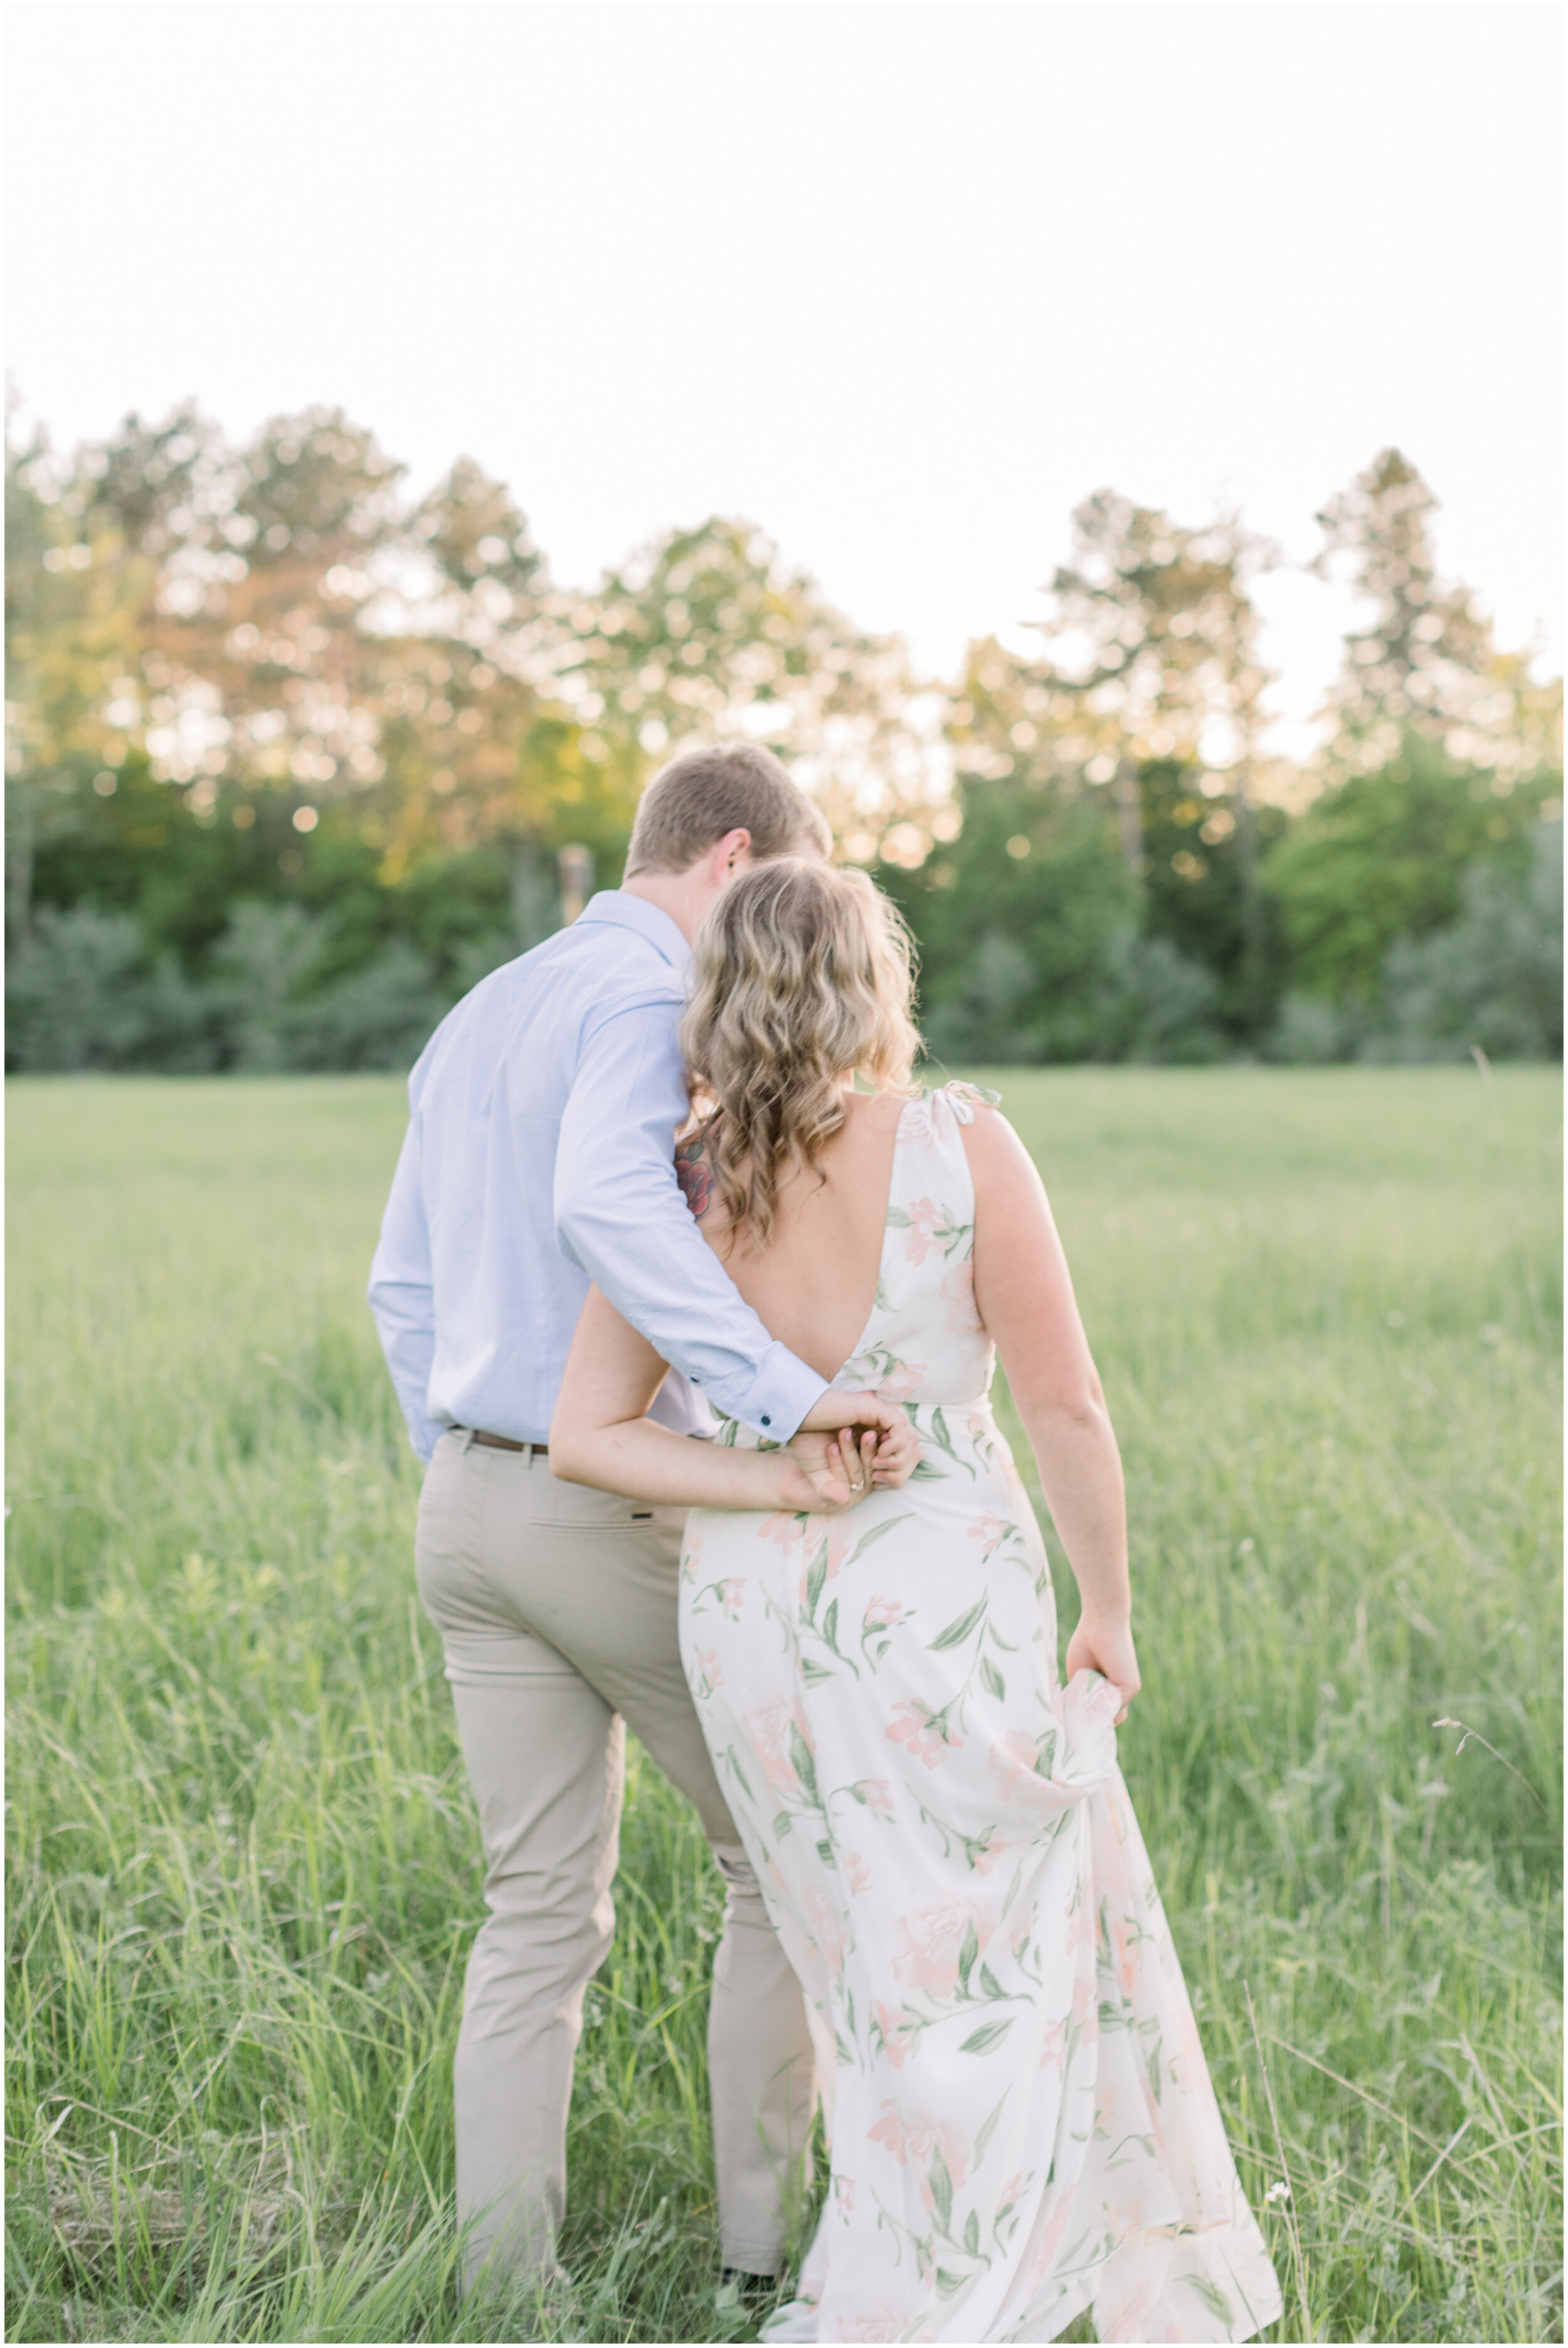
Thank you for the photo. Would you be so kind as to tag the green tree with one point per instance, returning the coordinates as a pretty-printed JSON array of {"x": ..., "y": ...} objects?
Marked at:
[
  {"x": 1492, "y": 979},
  {"x": 262, "y": 671},
  {"x": 1425, "y": 662},
  {"x": 1016, "y": 917},
  {"x": 1203, "y": 893},
  {"x": 77, "y": 585},
  {"x": 1156, "y": 625},
  {"x": 708, "y": 631},
  {"x": 471, "y": 757},
  {"x": 1383, "y": 856},
  {"x": 1149, "y": 701}
]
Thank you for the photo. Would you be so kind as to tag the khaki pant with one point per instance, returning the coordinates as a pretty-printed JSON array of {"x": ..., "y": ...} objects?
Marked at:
[{"x": 556, "y": 1606}]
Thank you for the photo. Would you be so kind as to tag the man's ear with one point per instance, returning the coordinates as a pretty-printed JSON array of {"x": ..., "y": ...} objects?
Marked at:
[{"x": 732, "y": 852}]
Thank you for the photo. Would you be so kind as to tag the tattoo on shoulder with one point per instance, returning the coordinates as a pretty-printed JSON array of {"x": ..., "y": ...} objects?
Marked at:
[{"x": 695, "y": 1174}]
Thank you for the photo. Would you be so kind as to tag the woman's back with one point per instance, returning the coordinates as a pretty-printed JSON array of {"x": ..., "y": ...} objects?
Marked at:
[
  {"x": 815, "y": 1282},
  {"x": 868, "y": 1272}
]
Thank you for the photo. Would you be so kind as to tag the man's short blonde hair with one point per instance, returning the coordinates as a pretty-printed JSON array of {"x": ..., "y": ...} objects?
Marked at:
[{"x": 702, "y": 794}]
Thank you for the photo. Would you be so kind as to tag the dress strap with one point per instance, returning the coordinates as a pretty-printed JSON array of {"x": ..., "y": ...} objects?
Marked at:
[{"x": 961, "y": 1099}]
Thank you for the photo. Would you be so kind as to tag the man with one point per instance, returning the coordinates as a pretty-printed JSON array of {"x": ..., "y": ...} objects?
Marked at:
[{"x": 538, "y": 1156}]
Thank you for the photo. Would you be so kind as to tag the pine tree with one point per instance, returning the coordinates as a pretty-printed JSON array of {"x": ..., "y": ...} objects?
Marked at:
[
  {"x": 1150, "y": 690},
  {"x": 1425, "y": 662}
]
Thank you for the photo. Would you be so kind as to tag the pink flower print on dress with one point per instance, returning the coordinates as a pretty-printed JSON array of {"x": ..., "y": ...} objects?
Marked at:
[
  {"x": 1056, "y": 2226},
  {"x": 1085, "y": 2011},
  {"x": 709, "y": 1673},
  {"x": 768, "y": 1725},
  {"x": 827, "y": 1928},
  {"x": 882, "y": 1614},
  {"x": 991, "y": 1533},
  {"x": 934, "y": 1939},
  {"x": 1104, "y": 2107},
  {"x": 880, "y": 2324},
  {"x": 913, "y": 1724},
  {"x": 889, "y": 2131},
  {"x": 1053, "y": 2045},
  {"x": 856, "y": 1874},
  {"x": 916, "y": 1124},
  {"x": 924, "y": 2136},
  {"x": 843, "y": 2192},
  {"x": 959, "y": 1296},
  {"x": 901, "y": 2034},
  {"x": 731, "y": 1594},
  {"x": 1124, "y": 2218},
  {"x": 924, "y": 1217},
  {"x": 901, "y": 1381},
  {"x": 877, "y": 1793},
  {"x": 789, "y": 1531},
  {"x": 1015, "y": 1762},
  {"x": 984, "y": 1854}
]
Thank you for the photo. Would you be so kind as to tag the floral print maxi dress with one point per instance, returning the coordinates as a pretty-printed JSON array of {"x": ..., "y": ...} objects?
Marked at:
[{"x": 1020, "y": 2118}]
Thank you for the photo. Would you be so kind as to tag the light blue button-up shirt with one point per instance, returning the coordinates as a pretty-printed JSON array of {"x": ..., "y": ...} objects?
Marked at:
[{"x": 539, "y": 1156}]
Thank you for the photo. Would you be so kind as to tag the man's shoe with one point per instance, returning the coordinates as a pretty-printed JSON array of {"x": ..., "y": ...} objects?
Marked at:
[{"x": 750, "y": 2290}]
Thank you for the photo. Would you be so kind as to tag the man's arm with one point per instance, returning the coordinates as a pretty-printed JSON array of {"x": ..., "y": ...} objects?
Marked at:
[
  {"x": 402, "y": 1295},
  {"x": 621, "y": 1216}
]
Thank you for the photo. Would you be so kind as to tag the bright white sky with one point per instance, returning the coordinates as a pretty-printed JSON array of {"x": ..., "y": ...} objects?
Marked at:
[{"x": 900, "y": 282}]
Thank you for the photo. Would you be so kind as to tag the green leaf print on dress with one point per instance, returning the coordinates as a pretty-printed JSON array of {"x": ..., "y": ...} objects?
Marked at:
[{"x": 1021, "y": 2120}]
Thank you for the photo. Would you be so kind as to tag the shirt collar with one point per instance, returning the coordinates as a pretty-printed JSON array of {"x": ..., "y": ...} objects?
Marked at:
[{"x": 628, "y": 912}]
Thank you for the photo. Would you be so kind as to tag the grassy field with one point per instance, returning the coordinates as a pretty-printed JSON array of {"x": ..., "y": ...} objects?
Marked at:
[{"x": 243, "y": 1873}]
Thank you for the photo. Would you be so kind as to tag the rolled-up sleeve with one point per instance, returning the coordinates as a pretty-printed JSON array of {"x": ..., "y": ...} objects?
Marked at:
[
  {"x": 621, "y": 1218},
  {"x": 402, "y": 1295}
]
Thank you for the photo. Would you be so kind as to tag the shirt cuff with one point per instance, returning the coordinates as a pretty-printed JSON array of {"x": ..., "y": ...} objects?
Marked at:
[
  {"x": 424, "y": 1433},
  {"x": 778, "y": 1397}
]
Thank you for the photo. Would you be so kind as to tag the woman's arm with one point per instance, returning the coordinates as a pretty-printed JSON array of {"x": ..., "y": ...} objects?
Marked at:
[
  {"x": 1024, "y": 1292},
  {"x": 600, "y": 1434}
]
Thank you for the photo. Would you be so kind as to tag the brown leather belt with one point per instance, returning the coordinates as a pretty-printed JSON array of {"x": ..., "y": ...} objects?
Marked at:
[{"x": 505, "y": 1443}]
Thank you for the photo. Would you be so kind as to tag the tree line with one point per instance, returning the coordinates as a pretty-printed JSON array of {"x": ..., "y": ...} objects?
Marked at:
[{"x": 294, "y": 758}]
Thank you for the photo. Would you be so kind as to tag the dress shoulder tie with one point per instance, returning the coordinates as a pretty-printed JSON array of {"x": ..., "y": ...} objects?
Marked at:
[{"x": 961, "y": 1099}]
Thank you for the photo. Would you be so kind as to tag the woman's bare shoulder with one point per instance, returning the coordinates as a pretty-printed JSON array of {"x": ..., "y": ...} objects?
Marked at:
[
  {"x": 997, "y": 1156},
  {"x": 871, "y": 1113}
]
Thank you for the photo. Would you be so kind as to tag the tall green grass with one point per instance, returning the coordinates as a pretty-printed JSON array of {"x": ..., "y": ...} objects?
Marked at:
[{"x": 243, "y": 1871}]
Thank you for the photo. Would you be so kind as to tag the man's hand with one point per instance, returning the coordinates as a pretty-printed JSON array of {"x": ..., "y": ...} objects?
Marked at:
[
  {"x": 833, "y": 1411},
  {"x": 1106, "y": 1648},
  {"x": 837, "y": 1470}
]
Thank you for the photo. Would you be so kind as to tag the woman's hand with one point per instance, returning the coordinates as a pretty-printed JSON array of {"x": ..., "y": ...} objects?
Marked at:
[
  {"x": 848, "y": 1415},
  {"x": 841, "y": 1469},
  {"x": 824, "y": 1474},
  {"x": 1106, "y": 1648}
]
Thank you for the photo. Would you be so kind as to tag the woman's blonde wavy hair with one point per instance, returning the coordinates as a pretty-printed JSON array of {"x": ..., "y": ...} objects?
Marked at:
[{"x": 800, "y": 972}]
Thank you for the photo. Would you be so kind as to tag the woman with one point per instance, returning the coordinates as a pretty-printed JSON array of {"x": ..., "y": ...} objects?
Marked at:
[{"x": 1020, "y": 2120}]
